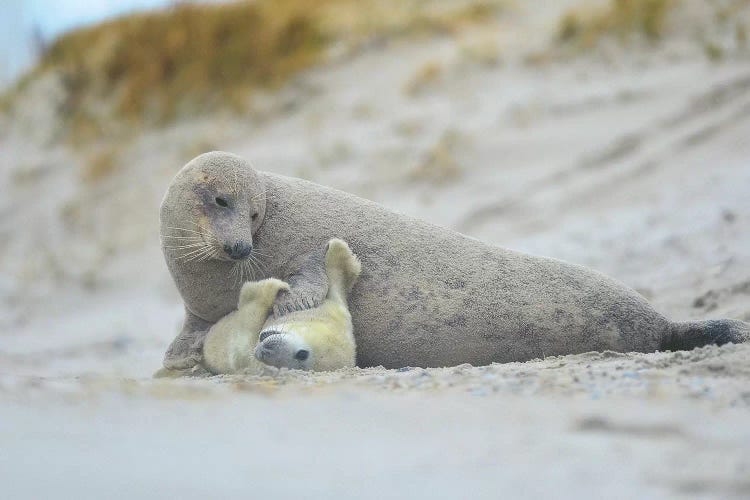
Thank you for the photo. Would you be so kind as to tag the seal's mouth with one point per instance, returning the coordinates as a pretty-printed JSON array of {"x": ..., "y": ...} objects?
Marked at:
[{"x": 267, "y": 333}]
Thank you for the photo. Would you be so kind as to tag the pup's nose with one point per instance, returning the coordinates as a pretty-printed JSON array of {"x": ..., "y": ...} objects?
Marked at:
[{"x": 238, "y": 251}]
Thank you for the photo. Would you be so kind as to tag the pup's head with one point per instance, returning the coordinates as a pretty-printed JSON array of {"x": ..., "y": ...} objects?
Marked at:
[{"x": 283, "y": 349}]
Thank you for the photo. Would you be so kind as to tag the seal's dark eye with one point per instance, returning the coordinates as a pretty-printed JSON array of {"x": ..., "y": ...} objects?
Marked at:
[
  {"x": 255, "y": 216},
  {"x": 221, "y": 202}
]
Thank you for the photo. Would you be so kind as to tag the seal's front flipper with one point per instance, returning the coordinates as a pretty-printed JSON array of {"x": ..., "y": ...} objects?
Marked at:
[
  {"x": 186, "y": 350},
  {"x": 308, "y": 286},
  {"x": 195, "y": 371},
  {"x": 167, "y": 373}
]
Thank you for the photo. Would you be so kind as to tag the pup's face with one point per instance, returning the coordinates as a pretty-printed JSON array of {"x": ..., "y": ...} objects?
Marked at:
[{"x": 283, "y": 349}]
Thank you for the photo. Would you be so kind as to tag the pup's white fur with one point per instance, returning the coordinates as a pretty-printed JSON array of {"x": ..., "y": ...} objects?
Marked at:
[
  {"x": 324, "y": 332},
  {"x": 230, "y": 342}
]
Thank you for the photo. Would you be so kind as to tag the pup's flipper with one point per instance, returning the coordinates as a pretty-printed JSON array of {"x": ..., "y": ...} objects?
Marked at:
[
  {"x": 342, "y": 270},
  {"x": 262, "y": 292}
]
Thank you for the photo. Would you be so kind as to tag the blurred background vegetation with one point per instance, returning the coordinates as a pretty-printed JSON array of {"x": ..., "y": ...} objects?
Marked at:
[{"x": 191, "y": 58}]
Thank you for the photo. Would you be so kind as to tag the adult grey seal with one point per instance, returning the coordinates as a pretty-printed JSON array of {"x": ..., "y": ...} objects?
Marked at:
[{"x": 427, "y": 296}]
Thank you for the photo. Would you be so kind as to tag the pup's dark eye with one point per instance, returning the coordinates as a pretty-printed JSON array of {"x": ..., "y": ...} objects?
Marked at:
[
  {"x": 221, "y": 202},
  {"x": 255, "y": 216}
]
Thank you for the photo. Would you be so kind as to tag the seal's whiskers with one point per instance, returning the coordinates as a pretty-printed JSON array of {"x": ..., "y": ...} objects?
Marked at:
[
  {"x": 256, "y": 252},
  {"x": 194, "y": 254},
  {"x": 265, "y": 196},
  {"x": 238, "y": 271},
  {"x": 201, "y": 231},
  {"x": 250, "y": 267},
  {"x": 189, "y": 245},
  {"x": 195, "y": 238},
  {"x": 199, "y": 246},
  {"x": 254, "y": 260}
]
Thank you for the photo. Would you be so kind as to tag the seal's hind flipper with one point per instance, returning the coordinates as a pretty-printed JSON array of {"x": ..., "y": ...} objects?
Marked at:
[
  {"x": 692, "y": 334},
  {"x": 342, "y": 269}
]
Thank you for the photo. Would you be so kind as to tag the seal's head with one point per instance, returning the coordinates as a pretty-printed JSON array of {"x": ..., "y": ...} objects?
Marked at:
[
  {"x": 283, "y": 348},
  {"x": 212, "y": 209}
]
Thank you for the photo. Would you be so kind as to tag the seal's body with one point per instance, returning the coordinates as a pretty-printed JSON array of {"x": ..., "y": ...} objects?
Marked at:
[
  {"x": 318, "y": 338},
  {"x": 427, "y": 296}
]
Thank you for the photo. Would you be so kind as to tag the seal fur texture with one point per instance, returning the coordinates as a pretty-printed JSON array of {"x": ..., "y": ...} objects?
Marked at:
[
  {"x": 427, "y": 296},
  {"x": 321, "y": 338}
]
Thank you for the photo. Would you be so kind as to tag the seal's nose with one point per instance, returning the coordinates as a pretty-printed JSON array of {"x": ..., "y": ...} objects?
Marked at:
[{"x": 238, "y": 251}]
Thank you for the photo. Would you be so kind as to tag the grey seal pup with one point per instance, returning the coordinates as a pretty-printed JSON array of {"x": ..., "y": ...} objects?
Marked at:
[
  {"x": 230, "y": 342},
  {"x": 318, "y": 339},
  {"x": 427, "y": 296}
]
